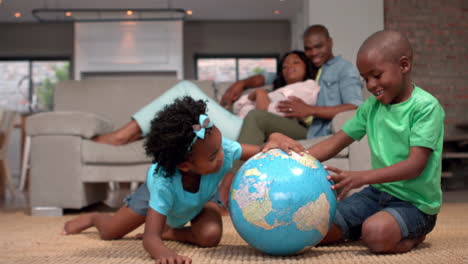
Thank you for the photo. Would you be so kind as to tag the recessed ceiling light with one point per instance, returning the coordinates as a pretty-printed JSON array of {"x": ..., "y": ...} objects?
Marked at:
[
  {"x": 189, "y": 12},
  {"x": 17, "y": 14},
  {"x": 277, "y": 12},
  {"x": 129, "y": 12},
  {"x": 68, "y": 14}
]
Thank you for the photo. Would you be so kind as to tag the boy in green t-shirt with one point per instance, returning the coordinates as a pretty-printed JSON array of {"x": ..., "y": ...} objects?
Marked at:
[{"x": 405, "y": 128}]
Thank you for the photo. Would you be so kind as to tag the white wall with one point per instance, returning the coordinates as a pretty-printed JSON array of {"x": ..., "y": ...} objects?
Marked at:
[
  {"x": 349, "y": 22},
  {"x": 234, "y": 38},
  {"x": 297, "y": 28},
  {"x": 112, "y": 47}
]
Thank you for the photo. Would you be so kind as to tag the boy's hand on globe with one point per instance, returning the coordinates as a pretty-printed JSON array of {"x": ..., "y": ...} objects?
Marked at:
[
  {"x": 344, "y": 180},
  {"x": 287, "y": 144}
]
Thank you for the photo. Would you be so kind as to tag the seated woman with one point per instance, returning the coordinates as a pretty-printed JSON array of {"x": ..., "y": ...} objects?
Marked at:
[
  {"x": 295, "y": 68},
  {"x": 263, "y": 100}
]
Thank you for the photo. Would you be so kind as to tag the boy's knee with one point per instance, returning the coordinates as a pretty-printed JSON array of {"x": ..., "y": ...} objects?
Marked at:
[{"x": 379, "y": 236}]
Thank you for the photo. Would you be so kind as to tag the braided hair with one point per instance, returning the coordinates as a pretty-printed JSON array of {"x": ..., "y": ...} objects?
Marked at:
[{"x": 171, "y": 135}]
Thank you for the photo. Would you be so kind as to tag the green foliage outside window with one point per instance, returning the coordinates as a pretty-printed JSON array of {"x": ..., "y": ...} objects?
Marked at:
[
  {"x": 258, "y": 70},
  {"x": 45, "y": 91}
]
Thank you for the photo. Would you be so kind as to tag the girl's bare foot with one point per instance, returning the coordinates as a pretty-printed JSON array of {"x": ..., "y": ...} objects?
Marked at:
[{"x": 78, "y": 224}]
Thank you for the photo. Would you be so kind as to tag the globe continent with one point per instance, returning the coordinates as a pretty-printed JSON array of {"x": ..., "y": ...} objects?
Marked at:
[{"x": 280, "y": 204}]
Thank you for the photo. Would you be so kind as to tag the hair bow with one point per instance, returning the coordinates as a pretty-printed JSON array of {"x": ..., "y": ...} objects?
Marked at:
[{"x": 200, "y": 129}]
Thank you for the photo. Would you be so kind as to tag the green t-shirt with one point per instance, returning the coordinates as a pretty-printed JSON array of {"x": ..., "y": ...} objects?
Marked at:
[{"x": 391, "y": 131}]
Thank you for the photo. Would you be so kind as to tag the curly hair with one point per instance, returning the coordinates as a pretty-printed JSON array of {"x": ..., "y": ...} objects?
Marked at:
[
  {"x": 171, "y": 135},
  {"x": 311, "y": 69}
]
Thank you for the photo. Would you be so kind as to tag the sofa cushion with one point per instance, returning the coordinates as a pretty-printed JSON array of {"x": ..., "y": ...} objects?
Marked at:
[
  {"x": 340, "y": 119},
  {"x": 97, "y": 153},
  {"x": 342, "y": 164},
  {"x": 115, "y": 99},
  {"x": 81, "y": 124},
  {"x": 307, "y": 143}
]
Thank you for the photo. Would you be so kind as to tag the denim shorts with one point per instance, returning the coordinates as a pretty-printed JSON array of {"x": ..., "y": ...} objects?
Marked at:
[
  {"x": 355, "y": 209},
  {"x": 139, "y": 200}
]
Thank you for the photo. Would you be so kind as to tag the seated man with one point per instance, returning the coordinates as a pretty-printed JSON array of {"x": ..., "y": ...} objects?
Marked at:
[{"x": 340, "y": 91}]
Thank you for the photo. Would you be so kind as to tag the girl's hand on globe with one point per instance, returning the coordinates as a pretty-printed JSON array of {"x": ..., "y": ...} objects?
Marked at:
[
  {"x": 344, "y": 180},
  {"x": 278, "y": 140}
]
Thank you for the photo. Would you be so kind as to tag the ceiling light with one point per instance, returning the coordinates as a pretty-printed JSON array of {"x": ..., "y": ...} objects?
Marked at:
[
  {"x": 277, "y": 12},
  {"x": 68, "y": 14},
  {"x": 106, "y": 15},
  {"x": 17, "y": 14},
  {"x": 189, "y": 12}
]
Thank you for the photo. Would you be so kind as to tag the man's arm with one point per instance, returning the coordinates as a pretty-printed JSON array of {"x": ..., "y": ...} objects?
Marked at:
[
  {"x": 350, "y": 87},
  {"x": 295, "y": 107},
  {"x": 234, "y": 92}
]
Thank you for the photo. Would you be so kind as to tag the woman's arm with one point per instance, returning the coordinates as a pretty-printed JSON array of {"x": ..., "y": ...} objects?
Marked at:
[
  {"x": 295, "y": 107},
  {"x": 234, "y": 92},
  {"x": 153, "y": 243},
  {"x": 260, "y": 96}
]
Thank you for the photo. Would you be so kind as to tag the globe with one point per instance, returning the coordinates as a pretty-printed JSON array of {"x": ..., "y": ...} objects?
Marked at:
[{"x": 280, "y": 204}]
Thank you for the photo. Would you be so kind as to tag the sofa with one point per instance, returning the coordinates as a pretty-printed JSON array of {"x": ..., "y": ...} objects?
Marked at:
[{"x": 69, "y": 170}]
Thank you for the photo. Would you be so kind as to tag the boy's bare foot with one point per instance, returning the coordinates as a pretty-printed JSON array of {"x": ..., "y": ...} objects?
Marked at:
[
  {"x": 78, "y": 224},
  {"x": 408, "y": 244}
]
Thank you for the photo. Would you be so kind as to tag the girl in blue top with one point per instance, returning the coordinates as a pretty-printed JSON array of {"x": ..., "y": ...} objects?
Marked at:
[{"x": 190, "y": 158}]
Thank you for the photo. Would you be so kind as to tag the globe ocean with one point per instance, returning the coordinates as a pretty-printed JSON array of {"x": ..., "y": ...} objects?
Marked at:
[{"x": 280, "y": 204}]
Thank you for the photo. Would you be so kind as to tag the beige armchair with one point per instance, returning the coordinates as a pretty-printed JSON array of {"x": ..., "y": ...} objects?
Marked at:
[
  {"x": 67, "y": 168},
  {"x": 7, "y": 120}
]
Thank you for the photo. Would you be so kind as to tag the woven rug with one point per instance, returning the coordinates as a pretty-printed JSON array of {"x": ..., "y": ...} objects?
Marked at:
[{"x": 27, "y": 239}]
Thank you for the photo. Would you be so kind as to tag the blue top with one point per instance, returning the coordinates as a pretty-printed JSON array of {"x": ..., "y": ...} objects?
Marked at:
[
  {"x": 168, "y": 197},
  {"x": 339, "y": 83}
]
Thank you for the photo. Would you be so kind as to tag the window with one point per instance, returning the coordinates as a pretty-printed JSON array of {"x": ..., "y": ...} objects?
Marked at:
[
  {"x": 28, "y": 85},
  {"x": 233, "y": 68}
]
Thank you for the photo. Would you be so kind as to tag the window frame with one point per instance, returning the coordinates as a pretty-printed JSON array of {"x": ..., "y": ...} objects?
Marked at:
[
  {"x": 198, "y": 56},
  {"x": 30, "y": 60}
]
